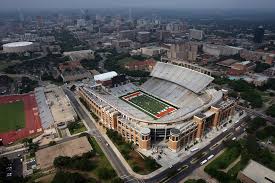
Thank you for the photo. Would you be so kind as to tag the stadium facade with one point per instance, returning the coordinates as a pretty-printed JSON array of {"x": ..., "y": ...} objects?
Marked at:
[
  {"x": 176, "y": 105},
  {"x": 18, "y": 47}
]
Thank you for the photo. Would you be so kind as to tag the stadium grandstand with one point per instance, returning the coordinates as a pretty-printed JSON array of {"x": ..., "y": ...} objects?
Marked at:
[{"x": 176, "y": 103}]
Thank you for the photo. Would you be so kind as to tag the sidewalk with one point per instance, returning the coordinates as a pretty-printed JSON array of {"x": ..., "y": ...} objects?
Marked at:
[
  {"x": 199, "y": 173},
  {"x": 169, "y": 158},
  {"x": 17, "y": 150},
  {"x": 118, "y": 154}
]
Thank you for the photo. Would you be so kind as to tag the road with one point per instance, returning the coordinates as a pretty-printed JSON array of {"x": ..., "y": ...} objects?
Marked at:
[
  {"x": 118, "y": 166},
  {"x": 20, "y": 75},
  {"x": 257, "y": 113},
  {"x": 15, "y": 154},
  {"x": 209, "y": 150},
  {"x": 101, "y": 63},
  {"x": 181, "y": 174}
]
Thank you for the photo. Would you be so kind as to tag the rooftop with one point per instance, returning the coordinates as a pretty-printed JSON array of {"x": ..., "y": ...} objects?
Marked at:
[
  {"x": 17, "y": 44},
  {"x": 258, "y": 172},
  {"x": 105, "y": 76}
]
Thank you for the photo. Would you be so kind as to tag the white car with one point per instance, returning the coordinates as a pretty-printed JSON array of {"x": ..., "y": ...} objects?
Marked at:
[
  {"x": 210, "y": 157},
  {"x": 237, "y": 121},
  {"x": 194, "y": 149},
  {"x": 203, "y": 162},
  {"x": 224, "y": 130},
  {"x": 234, "y": 138}
]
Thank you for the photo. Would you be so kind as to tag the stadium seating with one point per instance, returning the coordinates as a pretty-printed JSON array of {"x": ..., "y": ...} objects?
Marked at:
[
  {"x": 172, "y": 93},
  {"x": 123, "y": 89},
  {"x": 190, "y": 79}
]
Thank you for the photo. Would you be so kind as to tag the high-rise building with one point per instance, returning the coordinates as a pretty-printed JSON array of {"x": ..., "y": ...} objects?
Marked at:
[
  {"x": 80, "y": 22},
  {"x": 259, "y": 34},
  {"x": 184, "y": 51},
  {"x": 130, "y": 14},
  {"x": 174, "y": 27},
  {"x": 195, "y": 34},
  {"x": 127, "y": 34},
  {"x": 143, "y": 37}
]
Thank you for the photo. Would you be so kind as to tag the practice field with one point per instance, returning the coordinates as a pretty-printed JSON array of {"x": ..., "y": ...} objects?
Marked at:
[
  {"x": 12, "y": 116},
  {"x": 149, "y": 104}
]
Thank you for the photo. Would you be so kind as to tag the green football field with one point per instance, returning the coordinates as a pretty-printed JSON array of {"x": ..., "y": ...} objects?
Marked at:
[
  {"x": 149, "y": 104},
  {"x": 12, "y": 116}
]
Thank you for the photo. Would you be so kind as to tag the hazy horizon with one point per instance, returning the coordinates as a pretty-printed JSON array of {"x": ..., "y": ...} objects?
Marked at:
[{"x": 184, "y": 4}]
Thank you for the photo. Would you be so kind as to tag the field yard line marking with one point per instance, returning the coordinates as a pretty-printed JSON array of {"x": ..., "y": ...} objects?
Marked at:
[
  {"x": 156, "y": 98},
  {"x": 142, "y": 109},
  {"x": 152, "y": 98}
]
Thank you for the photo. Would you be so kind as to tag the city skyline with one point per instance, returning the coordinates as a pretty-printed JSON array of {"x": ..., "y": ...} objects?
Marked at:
[{"x": 208, "y": 4}]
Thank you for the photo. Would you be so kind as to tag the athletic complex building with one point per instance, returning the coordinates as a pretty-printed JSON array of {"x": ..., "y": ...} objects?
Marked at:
[
  {"x": 19, "y": 118},
  {"x": 176, "y": 105}
]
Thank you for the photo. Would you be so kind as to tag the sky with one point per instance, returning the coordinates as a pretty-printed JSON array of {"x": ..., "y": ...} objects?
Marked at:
[{"x": 200, "y": 4}]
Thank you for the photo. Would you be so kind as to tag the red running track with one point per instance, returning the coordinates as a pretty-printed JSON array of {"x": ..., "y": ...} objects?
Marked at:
[{"x": 33, "y": 123}]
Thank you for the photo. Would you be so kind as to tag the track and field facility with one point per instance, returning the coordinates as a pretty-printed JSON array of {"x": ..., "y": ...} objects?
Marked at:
[
  {"x": 149, "y": 104},
  {"x": 19, "y": 117}
]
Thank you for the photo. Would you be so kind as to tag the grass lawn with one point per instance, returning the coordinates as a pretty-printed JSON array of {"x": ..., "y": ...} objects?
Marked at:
[
  {"x": 148, "y": 104},
  {"x": 225, "y": 159},
  {"x": 101, "y": 162},
  {"x": 5, "y": 64},
  {"x": 216, "y": 168},
  {"x": 139, "y": 164},
  {"x": 233, "y": 172},
  {"x": 77, "y": 127},
  {"x": 126, "y": 60},
  {"x": 12, "y": 116}
]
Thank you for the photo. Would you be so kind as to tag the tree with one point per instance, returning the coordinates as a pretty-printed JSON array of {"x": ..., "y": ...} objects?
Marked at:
[
  {"x": 52, "y": 143},
  {"x": 271, "y": 83},
  {"x": 260, "y": 67},
  {"x": 61, "y": 161},
  {"x": 255, "y": 124},
  {"x": 251, "y": 145},
  {"x": 73, "y": 88},
  {"x": 136, "y": 168},
  {"x": 195, "y": 181},
  {"x": 105, "y": 173},
  {"x": 68, "y": 178},
  {"x": 150, "y": 163},
  {"x": 76, "y": 162},
  {"x": 271, "y": 111},
  {"x": 117, "y": 180}
]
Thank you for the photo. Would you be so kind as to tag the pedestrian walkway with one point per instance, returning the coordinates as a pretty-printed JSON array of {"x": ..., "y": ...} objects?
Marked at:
[{"x": 166, "y": 158}]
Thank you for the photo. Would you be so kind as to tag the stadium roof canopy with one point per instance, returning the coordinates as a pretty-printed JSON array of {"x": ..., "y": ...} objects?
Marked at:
[{"x": 17, "y": 44}]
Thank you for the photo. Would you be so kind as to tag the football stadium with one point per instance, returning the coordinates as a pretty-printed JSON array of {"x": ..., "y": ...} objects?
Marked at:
[
  {"x": 149, "y": 104},
  {"x": 177, "y": 105},
  {"x": 19, "y": 117}
]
